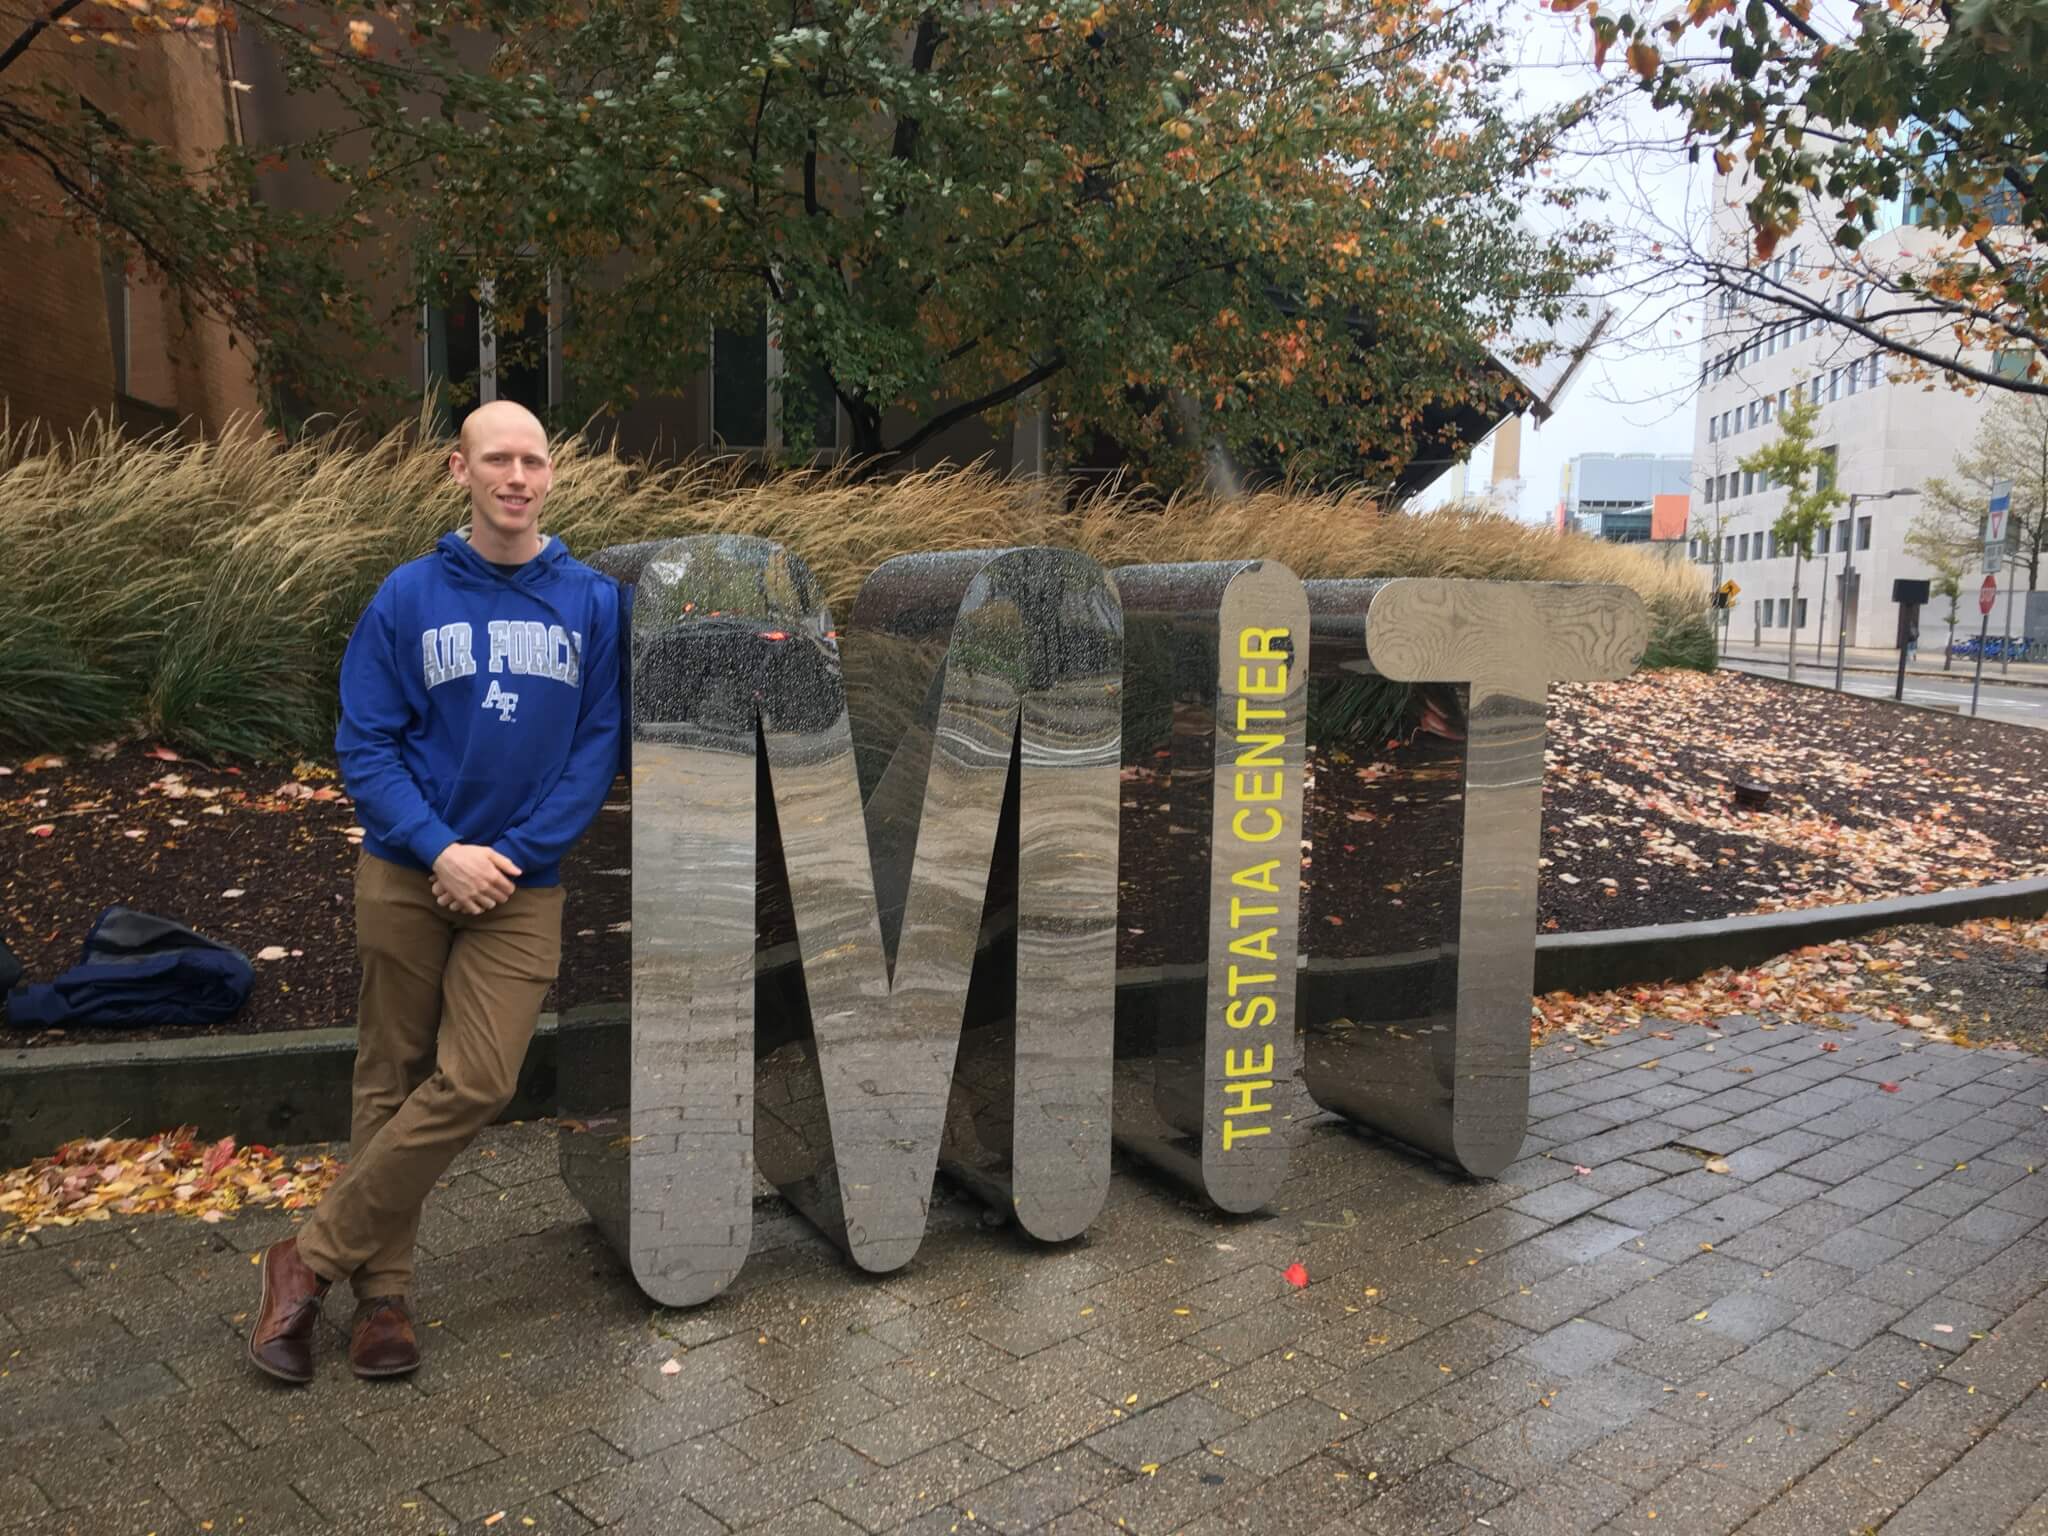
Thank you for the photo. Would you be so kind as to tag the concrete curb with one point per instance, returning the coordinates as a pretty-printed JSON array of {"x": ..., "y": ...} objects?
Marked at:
[
  {"x": 1962, "y": 673},
  {"x": 1619, "y": 957},
  {"x": 293, "y": 1087},
  {"x": 1958, "y": 711}
]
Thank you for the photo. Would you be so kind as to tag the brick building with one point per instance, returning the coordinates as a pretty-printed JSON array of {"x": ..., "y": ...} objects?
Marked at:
[{"x": 84, "y": 336}]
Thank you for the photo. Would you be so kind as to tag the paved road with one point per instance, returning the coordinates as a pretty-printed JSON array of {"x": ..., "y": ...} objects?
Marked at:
[
  {"x": 1844, "y": 1330},
  {"x": 2016, "y": 706}
]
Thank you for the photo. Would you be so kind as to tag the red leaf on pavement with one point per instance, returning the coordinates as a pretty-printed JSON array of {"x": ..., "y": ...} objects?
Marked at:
[
  {"x": 218, "y": 1156},
  {"x": 1889, "y": 1087},
  {"x": 1829, "y": 1045},
  {"x": 1295, "y": 1274}
]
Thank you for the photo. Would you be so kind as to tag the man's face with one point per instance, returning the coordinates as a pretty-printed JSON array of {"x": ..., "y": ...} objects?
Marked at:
[{"x": 504, "y": 465}]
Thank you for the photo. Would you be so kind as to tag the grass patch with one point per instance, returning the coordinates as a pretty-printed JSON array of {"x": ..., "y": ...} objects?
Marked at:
[{"x": 202, "y": 592}]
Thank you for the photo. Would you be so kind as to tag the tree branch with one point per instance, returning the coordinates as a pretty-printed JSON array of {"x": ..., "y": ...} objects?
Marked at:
[
  {"x": 921, "y": 55},
  {"x": 1797, "y": 22},
  {"x": 969, "y": 409},
  {"x": 1752, "y": 285},
  {"x": 35, "y": 29}
]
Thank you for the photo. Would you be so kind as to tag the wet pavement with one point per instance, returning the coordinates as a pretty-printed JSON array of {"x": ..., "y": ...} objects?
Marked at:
[{"x": 1845, "y": 1330}]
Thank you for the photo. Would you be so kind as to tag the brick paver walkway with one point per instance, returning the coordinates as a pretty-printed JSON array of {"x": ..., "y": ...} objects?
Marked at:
[{"x": 1845, "y": 1331}]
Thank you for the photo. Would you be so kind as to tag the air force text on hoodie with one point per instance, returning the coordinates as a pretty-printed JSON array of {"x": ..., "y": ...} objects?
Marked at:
[{"x": 482, "y": 707}]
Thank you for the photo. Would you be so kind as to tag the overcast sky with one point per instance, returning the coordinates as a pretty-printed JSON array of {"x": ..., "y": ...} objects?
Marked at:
[{"x": 1634, "y": 393}]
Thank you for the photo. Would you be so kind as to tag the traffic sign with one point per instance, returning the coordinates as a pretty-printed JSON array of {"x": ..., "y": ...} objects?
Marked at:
[
  {"x": 1985, "y": 594},
  {"x": 1995, "y": 523}
]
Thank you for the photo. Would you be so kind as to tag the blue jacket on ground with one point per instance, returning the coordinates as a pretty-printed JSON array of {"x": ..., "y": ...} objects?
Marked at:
[{"x": 481, "y": 707}]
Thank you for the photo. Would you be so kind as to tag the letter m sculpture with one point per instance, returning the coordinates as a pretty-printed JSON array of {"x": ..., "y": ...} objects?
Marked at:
[{"x": 809, "y": 893}]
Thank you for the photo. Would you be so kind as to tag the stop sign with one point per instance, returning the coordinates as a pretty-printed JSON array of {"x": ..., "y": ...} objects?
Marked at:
[{"x": 1986, "y": 594}]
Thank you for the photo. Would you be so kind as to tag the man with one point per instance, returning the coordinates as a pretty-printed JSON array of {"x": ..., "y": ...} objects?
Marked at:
[{"x": 479, "y": 735}]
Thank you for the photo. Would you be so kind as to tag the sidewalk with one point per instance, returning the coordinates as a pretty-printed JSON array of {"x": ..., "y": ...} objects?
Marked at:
[
  {"x": 1847, "y": 1327},
  {"x": 2021, "y": 674}
]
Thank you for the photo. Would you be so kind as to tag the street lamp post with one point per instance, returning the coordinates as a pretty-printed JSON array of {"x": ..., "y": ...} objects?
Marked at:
[{"x": 1849, "y": 569}]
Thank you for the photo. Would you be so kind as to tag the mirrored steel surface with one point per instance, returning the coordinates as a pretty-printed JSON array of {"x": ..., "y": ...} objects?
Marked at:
[
  {"x": 1012, "y": 663},
  {"x": 1214, "y": 735},
  {"x": 1417, "y": 1020}
]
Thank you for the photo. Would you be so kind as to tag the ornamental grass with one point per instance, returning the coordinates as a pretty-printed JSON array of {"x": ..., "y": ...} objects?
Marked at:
[{"x": 201, "y": 592}]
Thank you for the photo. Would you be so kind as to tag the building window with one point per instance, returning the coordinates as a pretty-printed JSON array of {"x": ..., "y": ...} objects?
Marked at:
[
  {"x": 1728, "y": 549},
  {"x": 1821, "y": 547},
  {"x": 476, "y": 354},
  {"x": 1842, "y": 535},
  {"x": 747, "y": 370},
  {"x": 1784, "y": 399},
  {"x": 1749, "y": 482},
  {"x": 1824, "y": 471},
  {"x": 1834, "y": 384},
  {"x": 114, "y": 283},
  {"x": 113, "y": 267},
  {"x": 1862, "y": 533},
  {"x": 1784, "y": 612},
  {"x": 1800, "y": 622},
  {"x": 739, "y": 384},
  {"x": 1713, "y": 429},
  {"x": 1771, "y": 543}
]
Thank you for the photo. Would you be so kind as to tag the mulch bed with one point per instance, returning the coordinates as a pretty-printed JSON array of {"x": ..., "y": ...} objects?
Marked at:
[
  {"x": 1639, "y": 828},
  {"x": 2000, "y": 981}
]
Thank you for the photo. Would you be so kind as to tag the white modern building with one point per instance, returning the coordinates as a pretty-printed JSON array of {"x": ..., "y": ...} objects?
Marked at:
[
  {"x": 1884, "y": 433},
  {"x": 1617, "y": 496}
]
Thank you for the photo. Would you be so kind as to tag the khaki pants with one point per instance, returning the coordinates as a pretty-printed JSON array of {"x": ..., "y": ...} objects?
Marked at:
[{"x": 447, "y": 1009}]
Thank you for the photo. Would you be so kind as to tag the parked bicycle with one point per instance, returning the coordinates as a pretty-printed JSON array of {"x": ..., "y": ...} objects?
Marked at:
[{"x": 1994, "y": 647}]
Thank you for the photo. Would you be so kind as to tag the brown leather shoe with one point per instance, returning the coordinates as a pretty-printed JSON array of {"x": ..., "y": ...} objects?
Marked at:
[
  {"x": 383, "y": 1342},
  {"x": 281, "y": 1343}
]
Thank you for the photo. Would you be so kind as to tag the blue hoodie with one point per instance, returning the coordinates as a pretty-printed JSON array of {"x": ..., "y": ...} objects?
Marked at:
[{"x": 479, "y": 707}]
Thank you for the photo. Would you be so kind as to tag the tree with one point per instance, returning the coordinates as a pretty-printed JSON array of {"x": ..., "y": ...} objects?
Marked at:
[
  {"x": 2011, "y": 446},
  {"x": 275, "y": 275},
  {"x": 1943, "y": 103},
  {"x": 1304, "y": 219},
  {"x": 1790, "y": 460},
  {"x": 1938, "y": 539}
]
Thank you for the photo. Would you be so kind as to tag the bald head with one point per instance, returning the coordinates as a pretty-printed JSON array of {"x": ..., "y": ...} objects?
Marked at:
[
  {"x": 501, "y": 415},
  {"x": 501, "y": 459}
]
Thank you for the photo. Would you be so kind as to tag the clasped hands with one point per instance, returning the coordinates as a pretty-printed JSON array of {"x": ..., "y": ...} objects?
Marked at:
[{"x": 472, "y": 879}]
